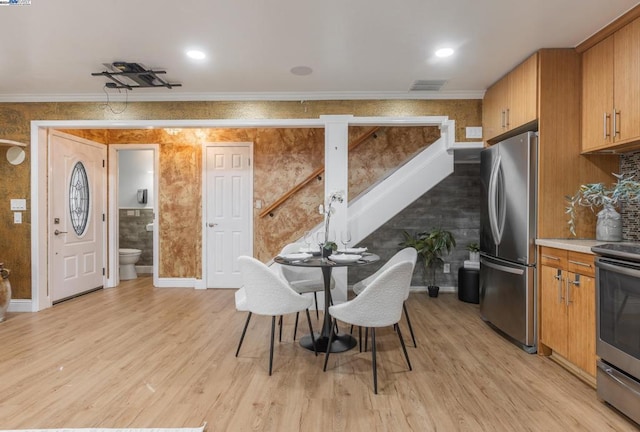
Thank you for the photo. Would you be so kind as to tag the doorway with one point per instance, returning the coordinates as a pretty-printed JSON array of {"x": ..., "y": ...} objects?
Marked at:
[
  {"x": 76, "y": 217},
  {"x": 134, "y": 193}
]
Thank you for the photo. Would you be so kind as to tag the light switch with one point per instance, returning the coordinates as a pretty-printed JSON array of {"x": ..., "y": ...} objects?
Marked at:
[
  {"x": 18, "y": 204},
  {"x": 17, "y": 217}
]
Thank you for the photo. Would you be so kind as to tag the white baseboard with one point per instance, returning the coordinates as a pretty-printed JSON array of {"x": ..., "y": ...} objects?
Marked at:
[
  {"x": 20, "y": 305},
  {"x": 443, "y": 289}
]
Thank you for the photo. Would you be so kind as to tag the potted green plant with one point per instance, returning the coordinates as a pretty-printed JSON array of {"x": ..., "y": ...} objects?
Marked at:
[
  {"x": 597, "y": 195},
  {"x": 431, "y": 246},
  {"x": 474, "y": 251}
]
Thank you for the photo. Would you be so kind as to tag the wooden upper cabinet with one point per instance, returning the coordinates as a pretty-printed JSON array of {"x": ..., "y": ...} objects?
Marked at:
[
  {"x": 626, "y": 82},
  {"x": 611, "y": 91},
  {"x": 493, "y": 112},
  {"x": 523, "y": 93},
  {"x": 597, "y": 96},
  {"x": 512, "y": 101}
]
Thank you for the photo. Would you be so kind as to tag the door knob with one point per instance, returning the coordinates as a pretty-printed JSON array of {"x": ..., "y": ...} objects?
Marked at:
[
  {"x": 211, "y": 224},
  {"x": 56, "y": 232}
]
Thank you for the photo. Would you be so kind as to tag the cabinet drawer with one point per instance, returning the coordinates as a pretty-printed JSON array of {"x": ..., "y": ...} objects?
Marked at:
[
  {"x": 553, "y": 257},
  {"x": 581, "y": 263}
]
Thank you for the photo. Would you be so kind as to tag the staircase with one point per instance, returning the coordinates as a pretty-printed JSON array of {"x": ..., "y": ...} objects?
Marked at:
[{"x": 386, "y": 198}]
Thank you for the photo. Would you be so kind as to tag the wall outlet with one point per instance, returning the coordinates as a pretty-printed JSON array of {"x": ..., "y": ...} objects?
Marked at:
[
  {"x": 474, "y": 132},
  {"x": 446, "y": 268},
  {"x": 17, "y": 217}
]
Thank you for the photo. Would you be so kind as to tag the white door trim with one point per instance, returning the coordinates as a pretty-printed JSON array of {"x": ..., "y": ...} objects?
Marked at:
[
  {"x": 113, "y": 278},
  {"x": 202, "y": 284},
  {"x": 38, "y": 155}
]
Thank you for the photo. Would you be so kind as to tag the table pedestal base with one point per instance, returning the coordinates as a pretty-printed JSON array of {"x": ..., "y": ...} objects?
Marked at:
[{"x": 341, "y": 342}]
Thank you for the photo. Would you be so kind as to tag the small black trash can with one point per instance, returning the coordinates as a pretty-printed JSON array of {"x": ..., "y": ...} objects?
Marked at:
[{"x": 469, "y": 285}]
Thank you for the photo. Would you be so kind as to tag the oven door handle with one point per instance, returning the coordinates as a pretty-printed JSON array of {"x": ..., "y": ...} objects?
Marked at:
[
  {"x": 618, "y": 269},
  {"x": 617, "y": 377}
]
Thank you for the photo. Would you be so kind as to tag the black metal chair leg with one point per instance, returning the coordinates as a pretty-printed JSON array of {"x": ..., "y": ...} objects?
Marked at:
[
  {"x": 273, "y": 330},
  {"x": 360, "y": 338},
  {"x": 315, "y": 297},
  {"x": 366, "y": 338},
  {"x": 280, "y": 336},
  {"x": 313, "y": 338},
  {"x": 404, "y": 348},
  {"x": 375, "y": 367},
  {"x": 244, "y": 330},
  {"x": 326, "y": 357},
  {"x": 406, "y": 314},
  {"x": 351, "y": 329},
  {"x": 295, "y": 327}
]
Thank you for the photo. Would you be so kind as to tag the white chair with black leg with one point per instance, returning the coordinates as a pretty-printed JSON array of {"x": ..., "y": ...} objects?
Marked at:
[
  {"x": 265, "y": 293},
  {"x": 406, "y": 254},
  {"x": 378, "y": 305},
  {"x": 303, "y": 280}
]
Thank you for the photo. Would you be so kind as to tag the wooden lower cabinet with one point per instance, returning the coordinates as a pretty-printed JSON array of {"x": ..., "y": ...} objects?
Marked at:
[{"x": 567, "y": 306}]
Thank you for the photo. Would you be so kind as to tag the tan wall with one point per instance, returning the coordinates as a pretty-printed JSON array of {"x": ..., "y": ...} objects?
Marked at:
[{"x": 15, "y": 121}]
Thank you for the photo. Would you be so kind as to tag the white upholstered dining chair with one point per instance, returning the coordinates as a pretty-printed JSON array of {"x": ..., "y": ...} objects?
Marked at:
[
  {"x": 406, "y": 254},
  {"x": 378, "y": 305},
  {"x": 265, "y": 293}
]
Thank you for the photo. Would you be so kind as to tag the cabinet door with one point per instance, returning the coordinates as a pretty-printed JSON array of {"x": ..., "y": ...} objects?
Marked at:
[
  {"x": 626, "y": 90},
  {"x": 494, "y": 109},
  {"x": 597, "y": 96},
  {"x": 553, "y": 310},
  {"x": 523, "y": 93},
  {"x": 581, "y": 315}
]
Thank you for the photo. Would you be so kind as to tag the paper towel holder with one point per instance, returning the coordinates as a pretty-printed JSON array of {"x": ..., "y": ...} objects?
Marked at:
[{"x": 142, "y": 196}]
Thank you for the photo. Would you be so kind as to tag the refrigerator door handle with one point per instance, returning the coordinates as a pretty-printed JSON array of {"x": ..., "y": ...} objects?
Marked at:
[
  {"x": 492, "y": 205},
  {"x": 501, "y": 209},
  {"x": 517, "y": 271}
]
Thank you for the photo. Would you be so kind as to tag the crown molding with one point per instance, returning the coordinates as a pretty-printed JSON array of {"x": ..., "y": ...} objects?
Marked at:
[{"x": 141, "y": 96}]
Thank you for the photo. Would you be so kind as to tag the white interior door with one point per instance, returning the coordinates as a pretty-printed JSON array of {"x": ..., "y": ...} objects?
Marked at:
[
  {"x": 228, "y": 213},
  {"x": 76, "y": 220}
]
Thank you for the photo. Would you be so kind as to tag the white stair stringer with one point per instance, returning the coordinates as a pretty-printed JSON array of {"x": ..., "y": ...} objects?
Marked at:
[{"x": 405, "y": 185}]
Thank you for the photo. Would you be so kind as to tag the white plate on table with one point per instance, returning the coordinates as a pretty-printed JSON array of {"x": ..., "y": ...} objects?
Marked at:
[
  {"x": 356, "y": 251},
  {"x": 345, "y": 258},
  {"x": 296, "y": 256},
  {"x": 311, "y": 250}
]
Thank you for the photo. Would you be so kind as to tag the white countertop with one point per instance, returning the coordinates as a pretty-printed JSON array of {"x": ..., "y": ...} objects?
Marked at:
[{"x": 576, "y": 245}]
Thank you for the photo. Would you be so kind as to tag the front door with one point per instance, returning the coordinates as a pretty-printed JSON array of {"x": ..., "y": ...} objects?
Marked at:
[
  {"x": 227, "y": 213},
  {"x": 76, "y": 218}
]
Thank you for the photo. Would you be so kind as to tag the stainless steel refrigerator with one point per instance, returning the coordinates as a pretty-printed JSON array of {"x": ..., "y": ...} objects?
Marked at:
[{"x": 508, "y": 173}]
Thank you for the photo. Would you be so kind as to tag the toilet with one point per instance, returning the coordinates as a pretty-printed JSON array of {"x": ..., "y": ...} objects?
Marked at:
[{"x": 128, "y": 259}]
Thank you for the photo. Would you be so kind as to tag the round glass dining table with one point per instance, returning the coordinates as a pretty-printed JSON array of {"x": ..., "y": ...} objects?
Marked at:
[{"x": 341, "y": 341}]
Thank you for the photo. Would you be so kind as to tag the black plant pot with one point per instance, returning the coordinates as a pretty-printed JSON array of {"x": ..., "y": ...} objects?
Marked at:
[
  {"x": 327, "y": 252},
  {"x": 433, "y": 290}
]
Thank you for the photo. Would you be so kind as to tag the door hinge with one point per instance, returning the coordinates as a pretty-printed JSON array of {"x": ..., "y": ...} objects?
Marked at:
[
  {"x": 103, "y": 271},
  {"x": 103, "y": 218},
  {"x": 249, "y": 161},
  {"x": 102, "y": 163}
]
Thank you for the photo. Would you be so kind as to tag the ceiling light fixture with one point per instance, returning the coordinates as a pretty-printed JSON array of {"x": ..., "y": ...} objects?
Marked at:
[
  {"x": 196, "y": 54},
  {"x": 444, "y": 52},
  {"x": 301, "y": 70}
]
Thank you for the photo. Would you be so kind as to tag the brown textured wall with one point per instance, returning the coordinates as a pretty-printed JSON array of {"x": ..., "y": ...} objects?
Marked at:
[{"x": 15, "y": 121}]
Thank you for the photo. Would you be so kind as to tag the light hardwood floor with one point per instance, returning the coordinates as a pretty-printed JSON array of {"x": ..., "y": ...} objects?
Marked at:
[{"x": 135, "y": 356}]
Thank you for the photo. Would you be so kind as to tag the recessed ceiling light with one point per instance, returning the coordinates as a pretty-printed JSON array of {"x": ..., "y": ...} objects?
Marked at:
[
  {"x": 301, "y": 70},
  {"x": 444, "y": 52},
  {"x": 196, "y": 55}
]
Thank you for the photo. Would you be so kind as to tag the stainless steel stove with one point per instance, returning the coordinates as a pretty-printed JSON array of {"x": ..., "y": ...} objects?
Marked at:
[{"x": 618, "y": 326}]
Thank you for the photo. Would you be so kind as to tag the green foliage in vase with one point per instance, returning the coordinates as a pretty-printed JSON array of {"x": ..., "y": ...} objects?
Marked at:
[{"x": 597, "y": 195}]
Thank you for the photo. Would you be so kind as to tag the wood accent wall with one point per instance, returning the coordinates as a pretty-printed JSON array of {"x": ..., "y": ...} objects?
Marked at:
[{"x": 15, "y": 121}]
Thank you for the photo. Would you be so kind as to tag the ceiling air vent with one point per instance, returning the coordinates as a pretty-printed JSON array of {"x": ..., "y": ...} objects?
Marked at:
[{"x": 427, "y": 85}]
